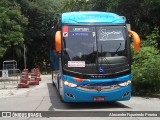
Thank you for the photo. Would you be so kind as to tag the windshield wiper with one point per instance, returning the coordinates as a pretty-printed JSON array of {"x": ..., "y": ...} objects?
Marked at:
[
  {"x": 107, "y": 62},
  {"x": 118, "y": 48}
]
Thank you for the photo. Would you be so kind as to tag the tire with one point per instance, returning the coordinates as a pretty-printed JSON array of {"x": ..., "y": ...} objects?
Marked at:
[
  {"x": 61, "y": 99},
  {"x": 53, "y": 84},
  {"x": 60, "y": 96}
]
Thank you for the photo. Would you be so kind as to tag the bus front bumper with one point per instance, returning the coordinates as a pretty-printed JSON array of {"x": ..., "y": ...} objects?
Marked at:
[{"x": 78, "y": 95}]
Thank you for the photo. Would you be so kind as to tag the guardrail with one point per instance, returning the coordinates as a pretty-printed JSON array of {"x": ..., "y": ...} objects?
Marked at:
[{"x": 9, "y": 78}]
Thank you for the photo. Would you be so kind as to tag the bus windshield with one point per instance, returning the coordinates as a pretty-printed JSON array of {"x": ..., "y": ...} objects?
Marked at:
[{"x": 84, "y": 45}]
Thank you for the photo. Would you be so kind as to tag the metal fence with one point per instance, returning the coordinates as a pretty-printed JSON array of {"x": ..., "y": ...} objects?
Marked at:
[{"x": 9, "y": 78}]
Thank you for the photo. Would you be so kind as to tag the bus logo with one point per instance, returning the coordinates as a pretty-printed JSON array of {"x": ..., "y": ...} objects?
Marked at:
[{"x": 98, "y": 89}]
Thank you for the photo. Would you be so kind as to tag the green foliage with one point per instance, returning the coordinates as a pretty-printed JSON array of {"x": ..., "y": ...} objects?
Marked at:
[
  {"x": 146, "y": 76},
  {"x": 75, "y": 5},
  {"x": 144, "y": 54},
  {"x": 146, "y": 67},
  {"x": 11, "y": 25},
  {"x": 41, "y": 16},
  {"x": 151, "y": 40}
]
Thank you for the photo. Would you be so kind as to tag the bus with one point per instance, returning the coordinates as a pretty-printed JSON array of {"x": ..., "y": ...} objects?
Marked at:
[{"x": 92, "y": 57}]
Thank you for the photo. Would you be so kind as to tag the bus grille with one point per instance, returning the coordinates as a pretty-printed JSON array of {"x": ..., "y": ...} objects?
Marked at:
[{"x": 98, "y": 88}]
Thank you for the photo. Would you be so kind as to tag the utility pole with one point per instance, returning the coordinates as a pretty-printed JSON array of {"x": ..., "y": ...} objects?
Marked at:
[{"x": 24, "y": 55}]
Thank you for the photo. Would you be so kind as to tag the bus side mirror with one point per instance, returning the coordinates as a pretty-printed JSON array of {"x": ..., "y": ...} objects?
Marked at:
[
  {"x": 136, "y": 40},
  {"x": 58, "y": 41}
]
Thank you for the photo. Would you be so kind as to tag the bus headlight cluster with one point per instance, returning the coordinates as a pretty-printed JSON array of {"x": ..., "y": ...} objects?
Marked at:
[
  {"x": 125, "y": 83},
  {"x": 69, "y": 84}
]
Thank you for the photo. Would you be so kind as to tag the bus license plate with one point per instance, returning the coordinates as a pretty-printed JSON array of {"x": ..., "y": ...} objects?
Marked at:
[{"x": 99, "y": 98}]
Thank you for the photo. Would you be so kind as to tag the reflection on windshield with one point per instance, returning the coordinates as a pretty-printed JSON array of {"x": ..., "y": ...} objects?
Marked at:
[
  {"x": 111, "y": 41},
  {"x": 105, "y": 34}
]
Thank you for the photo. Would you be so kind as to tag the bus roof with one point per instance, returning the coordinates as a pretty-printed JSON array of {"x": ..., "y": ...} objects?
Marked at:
[{"x": 92, "y": 17}]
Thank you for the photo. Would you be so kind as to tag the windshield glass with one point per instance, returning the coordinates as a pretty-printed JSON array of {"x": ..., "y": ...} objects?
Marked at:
[
  {"x": 91, "y": 48},
  {"x": 79, "y": 43},
  {"x": 111, "y": 41}
]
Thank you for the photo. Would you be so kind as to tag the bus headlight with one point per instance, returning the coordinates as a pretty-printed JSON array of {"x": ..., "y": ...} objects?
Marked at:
[
  {"x": 125, "y": 83},
  {"x": 69, "y": 84}
]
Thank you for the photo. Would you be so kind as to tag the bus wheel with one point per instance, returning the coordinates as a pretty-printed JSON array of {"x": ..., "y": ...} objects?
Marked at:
[
  {"x": 61, "y": 99},
  {"x": 60, "y": 96},
  {"x": 53, "y": 83}
]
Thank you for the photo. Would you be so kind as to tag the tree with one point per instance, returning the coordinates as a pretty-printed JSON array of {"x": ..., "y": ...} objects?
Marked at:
[
  {"x": 41, "y": 16},
  {"x": 75, "y": 5},
  {"x": 143, "y": 15},
  {"x": 11, "y": 25}
]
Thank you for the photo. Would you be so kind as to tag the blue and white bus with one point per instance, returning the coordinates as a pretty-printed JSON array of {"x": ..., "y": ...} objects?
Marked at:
[{"x": 93, "y": 57}]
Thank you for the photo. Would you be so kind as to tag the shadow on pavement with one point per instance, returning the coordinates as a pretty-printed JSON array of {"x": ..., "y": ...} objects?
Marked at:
[{"x": 58, "y": 105}]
